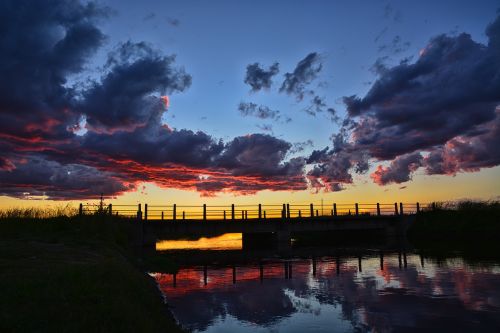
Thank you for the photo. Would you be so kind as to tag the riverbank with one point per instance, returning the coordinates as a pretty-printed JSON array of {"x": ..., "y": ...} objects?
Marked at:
[
  {"x": 77, "y": 274},
  {"x": 471, "y": 228}
]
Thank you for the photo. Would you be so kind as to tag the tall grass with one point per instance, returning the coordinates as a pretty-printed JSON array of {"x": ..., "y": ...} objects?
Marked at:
[
  {"x": 464, "y": 205},
  {"x": 38, "y": 213}
]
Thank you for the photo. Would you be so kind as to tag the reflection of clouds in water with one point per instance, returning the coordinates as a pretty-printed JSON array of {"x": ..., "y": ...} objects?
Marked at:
[{"x": 447, "y": 294}]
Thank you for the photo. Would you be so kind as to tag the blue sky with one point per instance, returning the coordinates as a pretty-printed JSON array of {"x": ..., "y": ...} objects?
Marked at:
[
  {"x": 413, "y": 87},
  {"x": 216, "y": 40}
]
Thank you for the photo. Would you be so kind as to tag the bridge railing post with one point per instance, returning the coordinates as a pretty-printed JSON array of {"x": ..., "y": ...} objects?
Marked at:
[
  {"x": 356, "y": 208},
  {"x": 232, "y": 212},
  {"x": 396, "y": 208},
  {"x": 242, "y": 214},
  {"x": 334, "y": 209},
  {"x": 401, "y": 212},
  {"x": 80, "y": 209},
  {"x": 311, "y": 207},
  {"x": 378, "y": 209},
  {"x": 145, "y": 212},
  {"x": 204, "y": 212},
  {"x": 174, "y": 212}
]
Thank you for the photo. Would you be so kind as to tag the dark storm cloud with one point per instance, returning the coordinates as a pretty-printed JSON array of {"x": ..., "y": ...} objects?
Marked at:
[
  {"x": 155, "y": 145},
  {"x": 399, "y": 171},
  {"x": 305, "y": 72},
  {"x": 259, "y": 78},
  {"x": 259, "y": 154},
  {"x": 126, "y": 142},
  {"x": 450, "y": 90},
  {"x": 445, "y": 105},
  {"x": 123, "y": 99},
  {"x": 42, "y": 44},
  {"x": 39, "y": 177}
]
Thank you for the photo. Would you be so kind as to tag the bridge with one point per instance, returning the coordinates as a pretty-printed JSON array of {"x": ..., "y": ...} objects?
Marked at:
[{"x": 275, "y": 223}]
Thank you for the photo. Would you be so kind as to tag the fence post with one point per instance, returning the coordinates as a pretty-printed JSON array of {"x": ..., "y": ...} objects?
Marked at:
[
  {"x": 204, "y": 212},
  {"x": 396, "y": 208},
  {"x": 139, "y": 212},
  {"x": 174, "y": 212},
  {"x": 418, "y": 207},
  {"x": 311, "y": 207},
  {"x": 401, "y": 208},
  {"x": 378, "y": 209},
  {"x": 357, "y": 209},
  {"x": 288, "y": 211},
  {"x": 145, "y": 212},
  {"x": 232, "y": 212},
  {"x": 224, "y": 215},
  {"x": 300, "y": 214},
  {"x": 183, "y": 215},
  {"x": 80, "y": 210},
  {"x": 334, "y": 209},
  {"x": 246, "y": 214},
  {"x": 264, "y": 215},
  {"x": 162, "y": 215},
  {"x": 110, "y": 209},
  {"x": 260, "y": 211},
  {"x": 283, "y": 212},
  {"x": 317, "y": 213}
]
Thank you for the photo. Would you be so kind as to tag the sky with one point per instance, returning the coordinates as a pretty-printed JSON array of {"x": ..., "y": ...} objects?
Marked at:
[{"x": 249, "y": 101}]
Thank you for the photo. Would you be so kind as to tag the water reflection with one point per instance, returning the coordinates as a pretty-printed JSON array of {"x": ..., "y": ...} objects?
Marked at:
[
  {"x": 222, "y": 242},
  {"x": 329, "y": 294}
]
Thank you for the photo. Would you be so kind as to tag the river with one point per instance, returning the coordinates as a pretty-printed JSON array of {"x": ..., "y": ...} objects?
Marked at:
[{"x": 369, "y": 290}]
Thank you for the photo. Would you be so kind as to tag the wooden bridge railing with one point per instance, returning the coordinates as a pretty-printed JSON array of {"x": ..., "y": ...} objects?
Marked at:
[{"x": 253, "y": 211}]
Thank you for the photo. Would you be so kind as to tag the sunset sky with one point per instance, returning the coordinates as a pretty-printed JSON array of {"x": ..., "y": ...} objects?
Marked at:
[{"x": 248, "y": 101}]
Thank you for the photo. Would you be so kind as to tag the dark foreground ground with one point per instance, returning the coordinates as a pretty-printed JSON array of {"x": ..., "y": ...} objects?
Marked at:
[
  {"x": 72, "y": 275},
  {"x": 87, "y": 274}
]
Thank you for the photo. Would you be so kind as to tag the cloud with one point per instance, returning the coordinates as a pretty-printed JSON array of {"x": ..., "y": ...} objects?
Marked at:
[
  {"x": 121, "y": 139},
  {"x": 259, "y": 78},
  {"x": 173, "y": 21},
  {"x": 304, "y": 73},
  {"x": 125, "y": 96},
  {"x": 261, "y": 112},
  {"x": 42, "y": 44},
  {"x": 37, "y": 177},
  {"x": 399, "y": 171},
  {"x": 445, "y": 105}
]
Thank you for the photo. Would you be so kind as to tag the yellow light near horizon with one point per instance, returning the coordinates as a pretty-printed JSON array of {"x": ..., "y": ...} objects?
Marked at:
[
  {"x": 231, "y": 241},
  {"x": 483, "y": 185}
]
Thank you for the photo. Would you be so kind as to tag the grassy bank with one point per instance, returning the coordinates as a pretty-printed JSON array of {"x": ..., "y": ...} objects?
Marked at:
[
  {"x": 467, "y": 226},
  {"x": 67, "y": 274}
]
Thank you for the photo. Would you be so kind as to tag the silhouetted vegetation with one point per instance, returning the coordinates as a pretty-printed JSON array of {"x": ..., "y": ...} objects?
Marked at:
[
  {"x": 467, "y": 226},
  {"x": 61, "y": 272}
]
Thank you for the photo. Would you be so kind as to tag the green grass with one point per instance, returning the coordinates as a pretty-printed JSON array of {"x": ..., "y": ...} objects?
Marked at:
[{"x": 70, "y": 274}]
